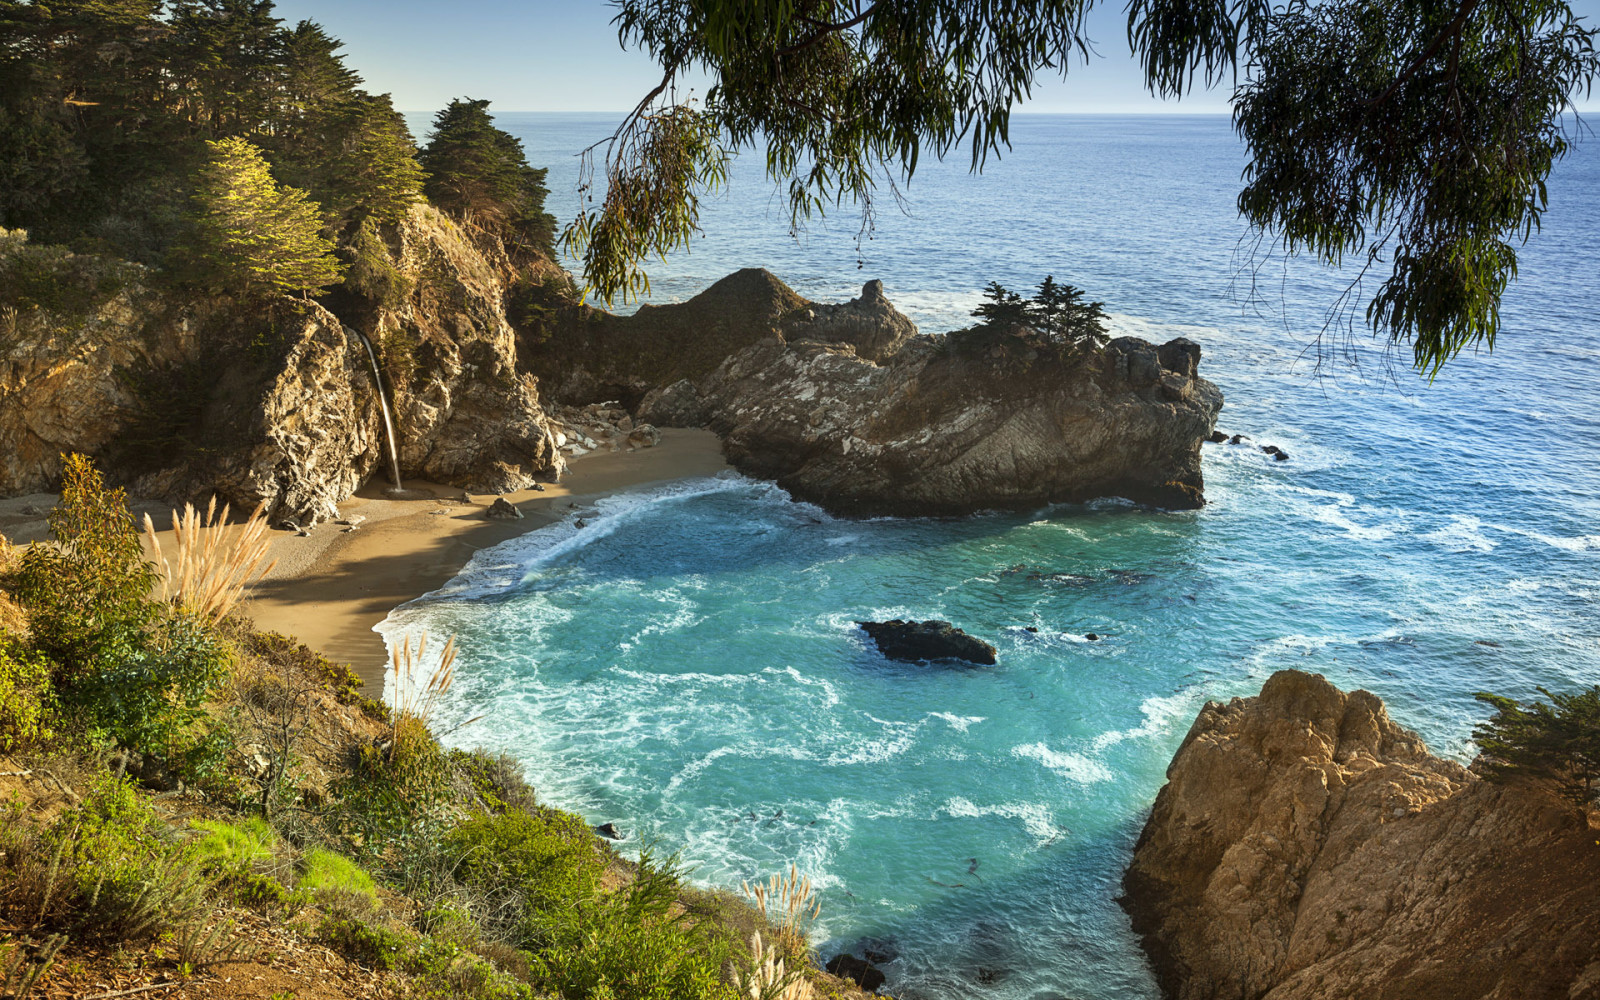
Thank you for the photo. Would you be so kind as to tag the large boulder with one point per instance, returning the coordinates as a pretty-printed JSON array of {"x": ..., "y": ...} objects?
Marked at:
[
  {"x": 921, "y": 642},
  {"x": 1305, "y": 846}
]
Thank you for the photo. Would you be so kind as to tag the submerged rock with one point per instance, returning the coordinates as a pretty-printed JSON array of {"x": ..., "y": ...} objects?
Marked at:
[
  {"x": 916, "y": 642},
  {"x": 863, "y": 972},
  {"x": 1305, "y": 846},
  {"x": 1217, "y": 437},
  {"x": 609, "y": 831},
  {"x": 1278, "y": 454}
]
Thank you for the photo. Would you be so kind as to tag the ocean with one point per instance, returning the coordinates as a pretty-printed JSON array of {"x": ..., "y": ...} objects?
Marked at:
[{"x": 688, "y": 665}]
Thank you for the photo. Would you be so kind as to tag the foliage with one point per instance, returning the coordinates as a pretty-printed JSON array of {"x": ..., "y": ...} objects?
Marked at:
[
  {"x": 547, "y": 857},
  {"x": 253, "y": 236},
  {"x": 210, "y": 570},
  {"x": 1056, "y": 314},
  {"x": 1557, "y": 742},
  {"x": 233, "y": 848},
  {"x": 1414, "y": 135},
  {"x": 106, "y": 108},
  {"x": 1059, "y": 312},
  {"x": 631, "y": 945},
  {"x": 371, "y": 271},
  {"x": 26, "y": 696},
  {"x": 496, "y": 779},
  {"x": 479, "y": 174},
  {"x": 328, "y": 872},
  {"x": 130, "y": 668},
  {"x": 396, "y": 791},
  {"x": 51, "y": 278}
]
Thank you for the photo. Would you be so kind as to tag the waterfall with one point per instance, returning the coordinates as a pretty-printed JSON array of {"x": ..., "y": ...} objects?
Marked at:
[{"x": 383, "y": 407}]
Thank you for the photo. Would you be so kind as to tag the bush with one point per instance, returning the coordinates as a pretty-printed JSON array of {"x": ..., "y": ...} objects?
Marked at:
[
  {"x": 371, "y": 270},
  {"x": 233, "y": 848},
  {"x": 132, "y": 670},
  {"x": 631, "y": 946},
  {"x": 396, "y": 791},
  {"x": 547, "y": 857},
  {"x": 496, "y": 780},
  {"x": 1557, "y": 742},
  {"x": 326, "y": 872},
  {"x": 26, "y": 696}
]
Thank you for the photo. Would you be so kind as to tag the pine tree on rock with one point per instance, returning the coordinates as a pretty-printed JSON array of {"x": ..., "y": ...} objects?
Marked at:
[
  {"x": 480, "y": 174},
  {"x": 254, "y": 237}
]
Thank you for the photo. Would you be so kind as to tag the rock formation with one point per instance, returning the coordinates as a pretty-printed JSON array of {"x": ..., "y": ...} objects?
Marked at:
[
  {"x": 181, "y": 396},
  {"x": 918, "y": 642},
  {"x": 848, "y": 407},
  {"x": 1305, "y": 846}
]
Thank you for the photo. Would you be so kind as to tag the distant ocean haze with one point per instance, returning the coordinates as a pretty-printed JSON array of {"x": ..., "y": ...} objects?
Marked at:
[{"x": 688, "y": 667}]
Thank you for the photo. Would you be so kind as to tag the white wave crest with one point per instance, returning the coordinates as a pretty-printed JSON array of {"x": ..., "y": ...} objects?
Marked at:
[{"x": 1072, "y": 766}]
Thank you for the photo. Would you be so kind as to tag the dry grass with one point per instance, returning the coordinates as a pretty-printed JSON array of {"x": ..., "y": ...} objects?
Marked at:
[
  {"x": 406, "y": 663},
  {"x": 788, "y": 906},
  {"x": 211, "y": 570},
  {"x": 770, "y": 977}
]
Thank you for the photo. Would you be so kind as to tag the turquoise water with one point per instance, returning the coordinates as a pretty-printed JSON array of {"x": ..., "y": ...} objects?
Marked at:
[{"x": 687, "y": 666}]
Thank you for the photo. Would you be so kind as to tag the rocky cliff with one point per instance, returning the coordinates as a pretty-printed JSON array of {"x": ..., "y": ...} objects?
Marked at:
[
  {"x": 1306, "y": 846},
  {"x": 180, "y": 396},
  {"x": 847, "y": 406}
]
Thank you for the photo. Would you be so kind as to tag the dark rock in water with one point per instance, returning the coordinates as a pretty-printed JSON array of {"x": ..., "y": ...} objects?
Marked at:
[
  {"x": 1217, "y": 437},
  {"x": 503, "y": 510},
  {"x": 609, "y": 831},
  {"x": 580, "y": 523},
  {"x": 850, "y": 967},
  {"x": 1278, "y": 454},
  {"x": 878, "y": 951},
  {"x": 915, "y": 642},
  {"x": 1031, "y": 628},
  {"x": 1238, "y": 439},
  {"x": 1093, "y": 637}
]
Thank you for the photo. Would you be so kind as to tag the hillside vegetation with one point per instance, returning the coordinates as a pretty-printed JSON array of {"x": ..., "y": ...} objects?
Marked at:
[{"x": 190, "y": 802}]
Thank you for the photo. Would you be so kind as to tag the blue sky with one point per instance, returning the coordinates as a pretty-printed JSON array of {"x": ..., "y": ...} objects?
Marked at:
[{"x": 563, "y": 55}]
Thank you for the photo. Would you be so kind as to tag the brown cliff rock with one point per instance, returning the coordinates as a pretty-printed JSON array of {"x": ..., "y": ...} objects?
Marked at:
[
  {"x": 1305, "y": 846},
  {"x": 180, "y": 396}
]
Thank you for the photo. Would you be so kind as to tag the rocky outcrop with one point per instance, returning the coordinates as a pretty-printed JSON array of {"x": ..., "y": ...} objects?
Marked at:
[
  {"x": 181, "y": 396},
  {"x": 931, "y": 431},
  {"x": 1306, "y": 846},
  {"x": 920, "y": 642}
]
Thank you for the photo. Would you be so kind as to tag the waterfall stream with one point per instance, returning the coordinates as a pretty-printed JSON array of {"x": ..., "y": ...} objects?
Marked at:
[{"x": 383, "y": 407}]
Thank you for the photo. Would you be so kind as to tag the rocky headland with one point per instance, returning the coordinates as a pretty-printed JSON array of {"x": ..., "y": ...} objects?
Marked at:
[
  {"x": 1306, "y": 846},
  {"x": 181, "y": 395},
  {"x": 847, "y": 406}
]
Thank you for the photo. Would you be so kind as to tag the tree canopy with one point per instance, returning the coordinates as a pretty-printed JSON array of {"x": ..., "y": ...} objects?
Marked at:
[
  {"x": 254, "y": 236},
  {"x": 1412, "y": 137},
  {"x": 479, "y": 173},
  {"x": 1558, "y": 742},
  {"x": 106, "y": 107}
]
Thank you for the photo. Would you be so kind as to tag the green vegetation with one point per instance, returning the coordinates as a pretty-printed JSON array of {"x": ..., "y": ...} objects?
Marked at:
[
  {"x": 1055, "y": 322},
  {"x": 479, "y": 174},
  {"x": 438, "y": 868},
  {"x": 252, "y": 236},
  {"x": 1412, "y": 136},
  {"x": 1558, "y": 742}
]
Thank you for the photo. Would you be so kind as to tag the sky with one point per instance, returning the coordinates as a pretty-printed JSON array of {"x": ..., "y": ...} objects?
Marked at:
[{"x": 563, "y": 55}]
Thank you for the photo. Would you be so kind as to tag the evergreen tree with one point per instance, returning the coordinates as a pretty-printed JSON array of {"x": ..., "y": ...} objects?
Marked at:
[
  {"x": 253, "y": 236},
  {"x": 480, "y": 174},
  {"x": 1002, "y": 309},
  {"x": 1558, "y": 742},
  {"x": 1059, "y": 312}
]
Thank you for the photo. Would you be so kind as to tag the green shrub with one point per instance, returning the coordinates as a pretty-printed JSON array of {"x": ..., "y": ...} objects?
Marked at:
[
  {"x": 371, "y": 269},
  {"x": 396, "y": 791},
  {"x": 233, "y": 848},
  {"x": 26, "y": 696},
  {"x": 328, "y": 872},
  {"x": 1558, "y": 742},
  {"x": 132, "y": 670},
  {"x": 548, "y": 857},
  {"x": 631, "y": 946},
  {"x": 496, "y": 779}
]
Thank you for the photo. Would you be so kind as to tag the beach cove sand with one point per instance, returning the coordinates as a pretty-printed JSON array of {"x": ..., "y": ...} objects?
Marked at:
[{"x": 329, "y": 589}]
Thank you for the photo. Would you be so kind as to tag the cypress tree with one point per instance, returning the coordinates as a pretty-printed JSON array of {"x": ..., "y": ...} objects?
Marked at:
[
  {"x": 480, "y": 174},
  {"x": 253, "y": 236}
]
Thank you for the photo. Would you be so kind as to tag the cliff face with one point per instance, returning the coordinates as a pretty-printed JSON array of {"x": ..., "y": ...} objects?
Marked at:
[
  {"x": 180, "y": 396},
  {"x": 846, "y": 406},
  {"x": 1305, "y": 846}
]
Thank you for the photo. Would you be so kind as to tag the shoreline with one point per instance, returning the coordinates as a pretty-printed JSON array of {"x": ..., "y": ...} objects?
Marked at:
[{"x": 329, "y": 590}]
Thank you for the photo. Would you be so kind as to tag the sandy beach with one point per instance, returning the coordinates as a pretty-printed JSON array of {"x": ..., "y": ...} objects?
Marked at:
[{"x": 329, "y": 588}]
